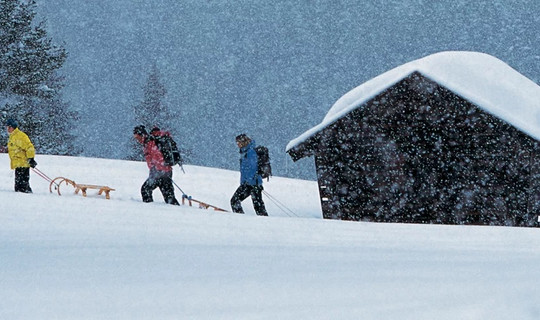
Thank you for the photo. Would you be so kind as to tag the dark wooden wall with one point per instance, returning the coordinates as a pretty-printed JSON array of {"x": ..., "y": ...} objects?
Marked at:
[{"x": 420, "y": 153}]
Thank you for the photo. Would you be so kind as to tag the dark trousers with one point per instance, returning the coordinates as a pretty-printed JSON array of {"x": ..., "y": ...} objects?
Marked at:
[
  {"x": 161, "y": 180},
  {"x": 244, "y": 191},
  {"x": 22, "y": 180}
]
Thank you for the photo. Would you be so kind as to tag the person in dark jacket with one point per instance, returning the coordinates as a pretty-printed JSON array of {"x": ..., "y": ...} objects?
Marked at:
[
  {"x": 160, "y": 175},
  {"x": 250, "y": 180}
]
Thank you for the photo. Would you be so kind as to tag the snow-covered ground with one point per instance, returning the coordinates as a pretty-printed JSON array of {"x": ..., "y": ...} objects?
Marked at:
[{"x": 69, "y": 257}]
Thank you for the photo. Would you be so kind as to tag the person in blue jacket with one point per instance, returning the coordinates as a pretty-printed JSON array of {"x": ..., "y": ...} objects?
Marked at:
[{"x": 250, "y": 180}]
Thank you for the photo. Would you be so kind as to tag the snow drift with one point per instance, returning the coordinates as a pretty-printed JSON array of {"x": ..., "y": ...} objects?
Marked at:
[{"x": 69, "y": 257}]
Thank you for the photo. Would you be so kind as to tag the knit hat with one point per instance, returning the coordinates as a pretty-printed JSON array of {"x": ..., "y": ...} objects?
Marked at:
[
  {"x": 12, "y": 123},
  {"x": 140, "y": 130},
  {"x": 154, "y": 130},
  {"x": 242, "y": 138}
]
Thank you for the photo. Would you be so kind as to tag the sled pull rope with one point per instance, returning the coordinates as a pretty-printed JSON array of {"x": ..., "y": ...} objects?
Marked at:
[
  {"x": 41, "y": 174},
  {"x": 46, "y": 177},
  {"x": 184, "y": 195},
  {"x": 202, "y": 205},
  {"x": 280, "y": 205}
]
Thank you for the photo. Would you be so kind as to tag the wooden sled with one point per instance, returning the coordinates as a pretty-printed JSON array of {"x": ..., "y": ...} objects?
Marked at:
[
  {"x": 79, "y": 187},
  {"x": 202, "y": 205}
]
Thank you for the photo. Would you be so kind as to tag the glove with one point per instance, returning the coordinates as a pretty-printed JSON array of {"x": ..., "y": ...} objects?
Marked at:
[{"x": 32, "y": 162}]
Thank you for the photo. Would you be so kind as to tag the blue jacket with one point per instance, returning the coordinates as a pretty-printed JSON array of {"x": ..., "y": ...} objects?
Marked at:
[{"x": 248, "y": 165}]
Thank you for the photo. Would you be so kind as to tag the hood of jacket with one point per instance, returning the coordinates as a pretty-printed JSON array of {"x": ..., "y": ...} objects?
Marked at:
[{"x": 250, "y": 145}]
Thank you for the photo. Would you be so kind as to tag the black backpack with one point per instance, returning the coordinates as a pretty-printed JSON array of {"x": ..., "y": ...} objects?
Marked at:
[
  {"x": 168, "y": 148},
  {"x": 263, "y": 162}
]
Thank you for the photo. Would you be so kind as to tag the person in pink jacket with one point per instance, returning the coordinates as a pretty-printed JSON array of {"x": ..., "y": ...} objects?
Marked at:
[{"x": 160, "y": 175}]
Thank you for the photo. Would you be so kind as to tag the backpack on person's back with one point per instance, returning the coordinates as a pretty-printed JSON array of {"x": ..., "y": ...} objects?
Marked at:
[
  {"x": 264, "y": 169},
  {"x": 168, "y": 148}
]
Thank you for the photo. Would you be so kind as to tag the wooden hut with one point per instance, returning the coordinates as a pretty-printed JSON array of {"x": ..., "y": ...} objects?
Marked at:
[{"x": 451, "y": 138}]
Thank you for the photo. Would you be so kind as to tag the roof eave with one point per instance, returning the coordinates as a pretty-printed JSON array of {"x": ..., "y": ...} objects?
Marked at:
[{"x": 302, "y": 150}]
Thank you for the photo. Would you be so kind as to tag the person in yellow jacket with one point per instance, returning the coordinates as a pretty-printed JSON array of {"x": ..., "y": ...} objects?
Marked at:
[{"x": 21, "y": 153}]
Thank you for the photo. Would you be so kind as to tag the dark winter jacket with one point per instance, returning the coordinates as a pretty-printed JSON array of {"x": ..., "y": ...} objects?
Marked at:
[{"x": 248, "y": 165}]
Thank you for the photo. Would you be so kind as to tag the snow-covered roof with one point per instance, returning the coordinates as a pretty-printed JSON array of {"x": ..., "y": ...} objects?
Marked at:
[{"x": 480, "y": 78}]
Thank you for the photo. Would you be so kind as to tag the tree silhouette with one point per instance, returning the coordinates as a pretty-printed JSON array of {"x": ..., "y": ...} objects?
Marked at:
[{"x": 30, "y": 85}]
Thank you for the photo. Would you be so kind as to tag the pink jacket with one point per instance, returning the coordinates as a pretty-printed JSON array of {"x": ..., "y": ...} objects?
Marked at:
[{"x": 154, "y": 158}]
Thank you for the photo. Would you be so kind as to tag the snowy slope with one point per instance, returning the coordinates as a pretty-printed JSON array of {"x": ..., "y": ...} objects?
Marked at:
[{"x": 68, "y": 257}]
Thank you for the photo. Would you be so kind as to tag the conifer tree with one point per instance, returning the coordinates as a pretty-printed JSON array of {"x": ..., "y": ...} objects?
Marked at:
[
  {"x": 30, "y": 84},
  {"x": 152, "y": 111}
]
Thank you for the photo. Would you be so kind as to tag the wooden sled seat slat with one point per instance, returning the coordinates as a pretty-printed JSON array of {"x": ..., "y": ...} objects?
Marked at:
[
  {"x": 101, "y": 189},
  {"x": 80, "y": 187}
]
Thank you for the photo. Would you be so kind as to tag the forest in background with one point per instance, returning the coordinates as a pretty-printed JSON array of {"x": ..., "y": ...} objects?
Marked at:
[{"x": 271, "y": 70}]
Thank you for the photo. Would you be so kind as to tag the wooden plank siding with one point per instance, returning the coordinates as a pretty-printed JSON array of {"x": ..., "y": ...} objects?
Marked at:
[{"x": 420, "y": 153}]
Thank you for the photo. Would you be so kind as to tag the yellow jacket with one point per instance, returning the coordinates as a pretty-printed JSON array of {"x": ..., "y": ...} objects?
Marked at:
[{"x": 20, "y": 149}]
